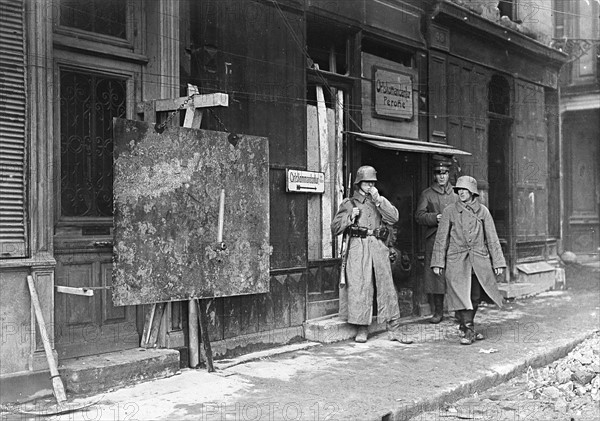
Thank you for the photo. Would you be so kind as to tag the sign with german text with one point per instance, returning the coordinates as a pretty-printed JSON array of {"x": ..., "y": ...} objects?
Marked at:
[
  {"x": 304, "y": 181},
  {"x": 392, "y": 94}
]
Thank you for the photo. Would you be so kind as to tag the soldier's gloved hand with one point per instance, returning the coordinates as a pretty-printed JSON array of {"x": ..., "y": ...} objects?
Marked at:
[
  {"x": 375, "y": 194},
  {"x": 437, "y": 271},
  {"x": 355, "y": 214}
]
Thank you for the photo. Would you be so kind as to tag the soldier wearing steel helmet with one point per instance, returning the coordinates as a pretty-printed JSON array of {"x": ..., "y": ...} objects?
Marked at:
[
  {"x": 468, "y": 251},
  {"x": 364, "y": 217},
  {"x": 432, "y": 202}
]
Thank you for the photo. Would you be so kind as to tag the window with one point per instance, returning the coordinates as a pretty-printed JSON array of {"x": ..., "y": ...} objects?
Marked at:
[
  {"x": 107, "y": 17},
  {"x": 562, "y": 9},
  {"x": 327, "y": 46},
  {"x": 507, "y": 8},
  {"x": 88, "y": 103}
]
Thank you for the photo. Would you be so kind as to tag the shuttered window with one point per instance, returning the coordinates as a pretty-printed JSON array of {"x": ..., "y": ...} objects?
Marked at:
[{"x": 13, "y": 230}]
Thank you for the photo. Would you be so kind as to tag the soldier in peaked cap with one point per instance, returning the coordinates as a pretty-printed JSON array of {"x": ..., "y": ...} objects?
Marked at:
[
  {"x": 368, "y": 269},
  {"x": 467, "y": 249},
  {"x": 431, "y": 203}
]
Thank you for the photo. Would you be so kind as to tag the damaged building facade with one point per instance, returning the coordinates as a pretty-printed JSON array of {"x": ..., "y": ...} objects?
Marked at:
[
  {"x": 577, "y": 32},
  {"x": 333, "y": 84}
]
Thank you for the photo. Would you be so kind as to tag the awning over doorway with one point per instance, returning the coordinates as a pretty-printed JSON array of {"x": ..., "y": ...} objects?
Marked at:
[{"x": 406, "y": 145}]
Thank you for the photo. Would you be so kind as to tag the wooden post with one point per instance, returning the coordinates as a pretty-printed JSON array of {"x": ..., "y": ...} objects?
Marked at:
[
  {"x": 193, "y": 119},
  {"x": 193, "y": 332},
  {"x": 205, "y": 337},
  {"x": 326, "y": 214}
]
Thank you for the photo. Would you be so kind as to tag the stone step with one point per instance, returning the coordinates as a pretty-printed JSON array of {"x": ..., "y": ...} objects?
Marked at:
[
  {"x": 332, "y": 329},
  {"x": 523, "y": 289},
  {"x": 102, "y": 372}
]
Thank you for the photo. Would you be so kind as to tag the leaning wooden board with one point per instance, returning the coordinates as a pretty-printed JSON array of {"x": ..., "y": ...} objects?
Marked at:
[{"x": 166, "y": 200}]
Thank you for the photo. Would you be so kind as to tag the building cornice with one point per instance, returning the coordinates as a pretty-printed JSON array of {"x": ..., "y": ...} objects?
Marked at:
[{"x": 455, "y": 16}]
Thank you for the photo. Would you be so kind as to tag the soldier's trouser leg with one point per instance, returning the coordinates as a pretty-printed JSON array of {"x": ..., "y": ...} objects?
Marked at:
[
  {"x": 476, "y": 291},
  {"x": 468, "y": 327},
  {"x": 438, "y": 305}
]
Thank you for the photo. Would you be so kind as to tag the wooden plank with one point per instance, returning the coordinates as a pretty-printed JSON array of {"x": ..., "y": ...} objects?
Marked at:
[
  {"x": 193, "y": 116},
  {"x": 148, "y": 320},
  {"x": 165, "y": 326},
  {"x": 326, "y": 214},
  {"x": 205, "y": 336},
  {"x": 57, "y": 384},
  {"x": 339, "y": 148},
  {"x": 200, "y": 101},
  {"x": 314, "y": 200},
  {"x": 194, "y": 357},
  {"x": 75, "y": 291},
  {"x": 156, "y": 323}
]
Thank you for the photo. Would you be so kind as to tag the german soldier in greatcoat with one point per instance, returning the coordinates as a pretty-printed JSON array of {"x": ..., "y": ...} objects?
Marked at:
[
  {"x": 363, "y": 217},
  {"x": 467, "y": 249},
  {"x": 432, "y": 202}
]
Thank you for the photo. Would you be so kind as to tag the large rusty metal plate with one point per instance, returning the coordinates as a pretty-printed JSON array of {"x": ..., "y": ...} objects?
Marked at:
[{"x": 167, "y": 190}]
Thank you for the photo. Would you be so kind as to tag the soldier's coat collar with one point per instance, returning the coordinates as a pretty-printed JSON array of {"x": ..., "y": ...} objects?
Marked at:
[
  {"x": 473, "y": 206},
  {"x": 360, "y": 197},
  {"x": 437, "y": 188}
]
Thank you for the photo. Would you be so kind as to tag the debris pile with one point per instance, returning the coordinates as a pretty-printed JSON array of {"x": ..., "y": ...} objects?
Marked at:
[{"x": 567, "y": 380}]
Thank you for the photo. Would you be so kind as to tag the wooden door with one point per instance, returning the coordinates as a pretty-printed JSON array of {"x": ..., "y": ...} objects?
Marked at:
[
  {"x": 582, "y": 182},
  {"x": 83, "y": 231}
]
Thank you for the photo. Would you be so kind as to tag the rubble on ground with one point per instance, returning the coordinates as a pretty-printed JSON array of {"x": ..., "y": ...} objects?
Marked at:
[{"x": 576, "y": 375}]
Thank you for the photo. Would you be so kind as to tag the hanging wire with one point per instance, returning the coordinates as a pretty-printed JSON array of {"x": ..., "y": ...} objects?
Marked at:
[
  {"x": 162, "y": 126},
  {"x": 310, "y": 61}
]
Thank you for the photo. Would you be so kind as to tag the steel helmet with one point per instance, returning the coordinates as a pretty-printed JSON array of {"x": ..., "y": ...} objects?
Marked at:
[
  {"x": 365, "y": 173},
  {"x": 467, "y": 182}
]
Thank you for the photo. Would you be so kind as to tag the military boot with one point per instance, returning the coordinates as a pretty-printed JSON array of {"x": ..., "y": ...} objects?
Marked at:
[
  {"x": 478, "y": 335},
  {"x": 469, "y": 328},
  {"x": 458, "y": 315},
  {"x": 395, "y": 332},
  {"x": 362, "y": 334},
  {"x": 438, "y": 305}
]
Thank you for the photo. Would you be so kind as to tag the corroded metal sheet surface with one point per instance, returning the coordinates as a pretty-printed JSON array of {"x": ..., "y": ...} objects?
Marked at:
[{"x": 167, "y": 190}]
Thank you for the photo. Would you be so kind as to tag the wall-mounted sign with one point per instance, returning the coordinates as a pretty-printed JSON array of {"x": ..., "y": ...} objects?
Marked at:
[
  {"x": 439, "y": 37},
  {"x": 392, "y": 94},
  {"x": 304, "y": 181}
]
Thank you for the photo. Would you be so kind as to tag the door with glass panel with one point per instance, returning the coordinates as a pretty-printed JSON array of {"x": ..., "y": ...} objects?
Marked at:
[{"x": 91, "y": 89}]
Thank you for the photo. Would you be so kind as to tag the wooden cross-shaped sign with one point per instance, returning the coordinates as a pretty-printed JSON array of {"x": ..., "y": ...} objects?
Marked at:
[{"x": 194, "y": 106}]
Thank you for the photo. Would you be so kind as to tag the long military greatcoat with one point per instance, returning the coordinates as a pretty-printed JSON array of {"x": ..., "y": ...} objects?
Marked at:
[
  {"x": 460, "y": 247},
  {"x": 368, "y": 262},
  {"x": 432, "y": 202}
]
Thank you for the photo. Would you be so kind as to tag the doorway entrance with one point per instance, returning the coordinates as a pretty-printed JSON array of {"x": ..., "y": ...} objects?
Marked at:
[
  {"x": 83, "y": 232},
  {"x": 398, "y": 175}
]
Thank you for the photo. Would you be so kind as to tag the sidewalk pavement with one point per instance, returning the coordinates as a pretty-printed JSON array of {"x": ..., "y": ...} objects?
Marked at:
[{"x": 378, "y": 380}]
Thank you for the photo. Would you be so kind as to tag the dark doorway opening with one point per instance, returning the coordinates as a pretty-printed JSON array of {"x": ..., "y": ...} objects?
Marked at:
[{"x": 398, "y": 181}]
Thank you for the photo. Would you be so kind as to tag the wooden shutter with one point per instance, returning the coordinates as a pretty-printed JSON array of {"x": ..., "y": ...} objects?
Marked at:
[{"x": 12, "y": 130}]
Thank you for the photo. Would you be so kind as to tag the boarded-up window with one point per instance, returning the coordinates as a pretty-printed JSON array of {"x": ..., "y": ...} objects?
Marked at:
[
  {"x": 324, "y": 154},
  {"x": 13, "y": 232}
]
